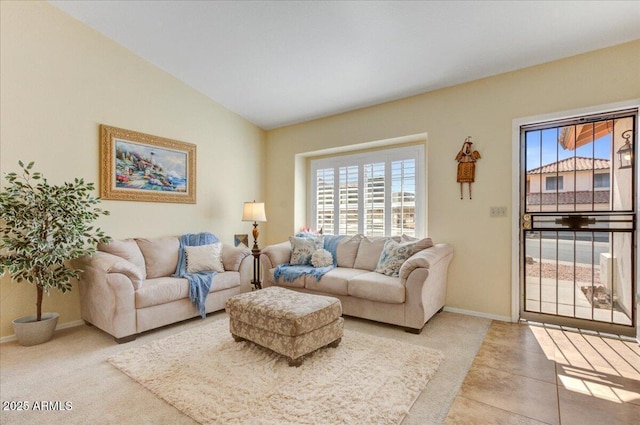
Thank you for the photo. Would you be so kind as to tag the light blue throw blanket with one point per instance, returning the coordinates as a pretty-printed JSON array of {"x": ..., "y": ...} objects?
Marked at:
[
  {"x": 331, "y": 245},
  {"x": 200, "y": 282},
  {"x": 290, "y": 273}
]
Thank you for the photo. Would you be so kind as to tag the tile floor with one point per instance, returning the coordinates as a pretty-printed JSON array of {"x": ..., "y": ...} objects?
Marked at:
[{"x": 535, "y": 374}]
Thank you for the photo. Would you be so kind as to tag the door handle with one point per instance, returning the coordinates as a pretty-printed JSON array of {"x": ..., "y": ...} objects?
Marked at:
[{"x": 526, "y": 221}]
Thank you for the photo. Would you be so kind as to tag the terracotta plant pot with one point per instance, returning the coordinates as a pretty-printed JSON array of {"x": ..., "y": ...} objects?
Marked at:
[{"x": 32, "y": 332}]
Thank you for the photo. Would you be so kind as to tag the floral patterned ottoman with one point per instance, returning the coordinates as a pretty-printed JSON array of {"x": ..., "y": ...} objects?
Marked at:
[{"x": 288, "y": 322}]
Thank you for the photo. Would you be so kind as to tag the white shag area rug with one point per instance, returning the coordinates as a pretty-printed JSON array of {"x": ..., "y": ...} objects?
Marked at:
[{"x": 205, "y": 374}]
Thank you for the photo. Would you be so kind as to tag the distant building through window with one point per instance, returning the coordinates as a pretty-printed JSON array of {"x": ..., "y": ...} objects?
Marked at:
[{"x": 578, "y": 183}]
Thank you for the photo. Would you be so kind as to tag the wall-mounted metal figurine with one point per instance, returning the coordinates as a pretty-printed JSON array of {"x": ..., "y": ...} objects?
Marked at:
[{"x": 467, "y": 165}]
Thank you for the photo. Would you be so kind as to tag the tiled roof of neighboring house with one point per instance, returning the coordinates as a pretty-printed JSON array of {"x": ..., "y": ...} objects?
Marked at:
[
  {"x": 581, "y": 163},
  {"x": 563, "y": 198}
]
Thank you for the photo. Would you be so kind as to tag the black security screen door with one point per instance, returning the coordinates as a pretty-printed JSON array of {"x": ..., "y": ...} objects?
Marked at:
[{"x": 578, "y": 230}]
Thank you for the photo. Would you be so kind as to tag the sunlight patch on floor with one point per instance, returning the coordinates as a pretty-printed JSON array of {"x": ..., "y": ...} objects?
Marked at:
[{"x": 590, "y": 363}]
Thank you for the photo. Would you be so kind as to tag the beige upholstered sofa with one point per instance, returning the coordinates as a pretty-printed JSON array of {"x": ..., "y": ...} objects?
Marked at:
[
  {"x": 408, "y": 300},
  {"x": 127, "y": 286}
]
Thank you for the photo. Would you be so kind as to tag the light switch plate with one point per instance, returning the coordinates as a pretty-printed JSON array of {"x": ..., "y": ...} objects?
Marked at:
[{"x": 497, "y": 211}]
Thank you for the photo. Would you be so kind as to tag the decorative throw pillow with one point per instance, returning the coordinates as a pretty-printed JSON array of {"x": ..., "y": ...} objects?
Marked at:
[
  {"x": 303, "y": 248},
  {"x": 393, "y": 255},
  {"x": 321, "y": 258},
  {"x": 204, "y": 258}
]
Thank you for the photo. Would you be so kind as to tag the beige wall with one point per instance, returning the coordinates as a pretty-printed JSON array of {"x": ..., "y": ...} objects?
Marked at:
[
  {"x": 480, "y": 273},
  {"x": 59, "y": 80}
]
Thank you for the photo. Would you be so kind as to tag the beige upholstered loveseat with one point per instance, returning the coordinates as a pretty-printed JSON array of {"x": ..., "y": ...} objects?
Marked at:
[
  {"x": 127, "y": 286},
  {"x": 408, "y": 299}
]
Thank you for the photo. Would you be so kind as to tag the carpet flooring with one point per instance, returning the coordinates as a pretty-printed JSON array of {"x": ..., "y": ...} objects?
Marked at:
[
  {"x": 73, "y": 368},
  {"x": 204, "y": 373}
]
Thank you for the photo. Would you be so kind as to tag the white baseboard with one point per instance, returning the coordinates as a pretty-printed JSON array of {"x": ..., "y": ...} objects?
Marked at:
[
  {"x": 61, "y": 326},
  {"x": 478, "y": 314}
]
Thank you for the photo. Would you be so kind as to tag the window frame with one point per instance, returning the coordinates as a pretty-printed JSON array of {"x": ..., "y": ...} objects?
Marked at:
[
  {"x": 598, "y": 185},
  {"x": 416, "y": 152},
  {"x": 558, "y": 183}
]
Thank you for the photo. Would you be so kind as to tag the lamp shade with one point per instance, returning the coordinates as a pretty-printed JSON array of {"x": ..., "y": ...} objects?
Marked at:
[{"x": 253, "y": 211}]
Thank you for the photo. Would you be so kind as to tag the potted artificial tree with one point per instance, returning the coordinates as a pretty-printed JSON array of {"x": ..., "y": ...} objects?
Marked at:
[{"x": 43, "y": 227}]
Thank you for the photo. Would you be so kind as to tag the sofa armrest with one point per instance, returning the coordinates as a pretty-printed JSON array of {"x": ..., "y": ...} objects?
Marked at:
[
  {"x": 425, "y": 259},
  {"x": 246, "y": 273},
  {"x": 107, "y": 293},
  {"x": 425, "y": 278},
  {"x": 109, "y": 263},
  {"x": 274, "y": 255},
  {"x": 232, "y": 257}
]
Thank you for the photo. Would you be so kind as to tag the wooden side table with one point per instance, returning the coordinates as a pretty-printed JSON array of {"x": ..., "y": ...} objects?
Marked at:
[{"x": 256, "y": 281}]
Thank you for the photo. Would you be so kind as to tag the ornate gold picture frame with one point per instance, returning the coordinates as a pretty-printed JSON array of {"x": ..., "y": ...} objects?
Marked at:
[{"x": 141, "y": 167}]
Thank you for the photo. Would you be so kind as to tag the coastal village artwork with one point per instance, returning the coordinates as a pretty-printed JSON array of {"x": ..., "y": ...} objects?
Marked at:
[{"x": 143, "y": 167}]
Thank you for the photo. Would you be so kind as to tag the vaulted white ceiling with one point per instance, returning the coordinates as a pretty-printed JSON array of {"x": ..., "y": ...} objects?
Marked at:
[{"x": 283, "y": 62}]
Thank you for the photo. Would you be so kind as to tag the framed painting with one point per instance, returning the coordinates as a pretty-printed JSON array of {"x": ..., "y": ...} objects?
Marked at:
[
  {"x": 241, "y": 240},
  {"x": 140, "y": 167}
]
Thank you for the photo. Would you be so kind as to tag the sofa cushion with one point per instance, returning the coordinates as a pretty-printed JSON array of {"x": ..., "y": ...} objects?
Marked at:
[
  {"x": 374, "y": 286},
  {"x": 369, "y": 253},
  {"x": 347, "y": 250},
  {"x": 127, "y": 249},
  {"x": 161, "y": 290},
  {"x": 204, "y": 258},
  {"x": 302, "y": 248},
  {"x": 160, "y": 255},
  {"x": 226, "y": 280},
  {"x": 333, "y": 282}
]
